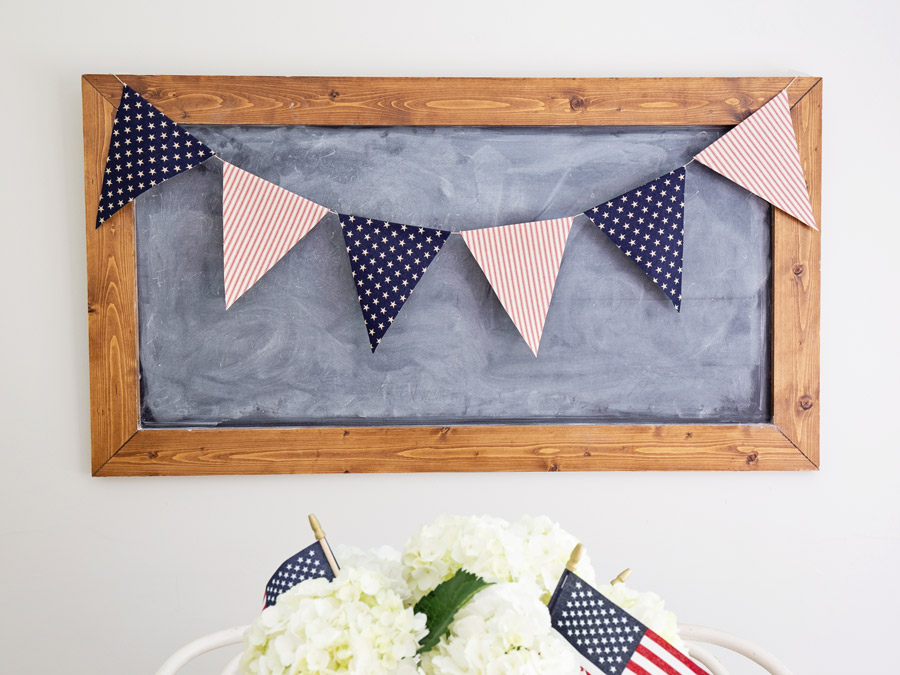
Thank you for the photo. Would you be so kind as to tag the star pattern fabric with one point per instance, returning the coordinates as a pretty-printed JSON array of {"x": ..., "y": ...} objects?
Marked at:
[
  {"x": 145, "y": 149},
  {"x": 310, "y": 563},
  {"x": 608, "y": 636},
  {"x": 387, "y": 261},
  {"x": 647, "y": 224}
]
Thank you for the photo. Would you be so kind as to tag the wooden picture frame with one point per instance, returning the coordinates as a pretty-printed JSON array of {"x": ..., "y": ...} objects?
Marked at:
[{"x": 120, "y": 447}]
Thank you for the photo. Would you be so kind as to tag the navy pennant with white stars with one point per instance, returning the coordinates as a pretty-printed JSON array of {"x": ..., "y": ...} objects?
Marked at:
[
  {"x": 387, "y": 260},
  {"x": 310, "y": 563},
  {"x": 647, "y": 224},
  {"x": 145, "y": 149}
]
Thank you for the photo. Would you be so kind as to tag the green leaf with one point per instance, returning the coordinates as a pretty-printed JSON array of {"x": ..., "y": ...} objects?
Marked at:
[{"x": 442, "y": 604}]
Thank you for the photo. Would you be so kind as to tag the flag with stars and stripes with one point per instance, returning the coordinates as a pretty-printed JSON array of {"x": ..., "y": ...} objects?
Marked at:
[
  {"x": 609, "y": 637},
  {"x": 647, "y": 224},
  {"x": 261, "y": 222},
  {"x": 310, "y": 563},
  {"x": 145, "y": 149},
  {"x": 521, "y": 262},
  {"x": 387, "y": 261},
  {"x": 760, "y": 154}
]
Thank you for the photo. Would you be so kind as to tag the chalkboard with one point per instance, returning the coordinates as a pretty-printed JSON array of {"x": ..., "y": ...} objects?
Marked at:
[
  {"x": 293, "y": 351},
  {"x": 284, "y": 381}
]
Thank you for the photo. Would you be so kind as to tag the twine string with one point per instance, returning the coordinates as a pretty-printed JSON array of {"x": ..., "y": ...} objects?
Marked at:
[{"x": 332, "y": 211}]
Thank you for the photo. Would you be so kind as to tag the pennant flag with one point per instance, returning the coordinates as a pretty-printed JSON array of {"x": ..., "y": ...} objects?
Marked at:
[
  {"x": 760, "y": 154},
  {"x": 310, "y": 563},
  {"x": 145, "y": 149},
  {"x": 261, "y": 222},
  {"x": 387, "y": 260},
  {"x": 609, "y": 637},
  {"x": 521, "y": 262},
  {"x": 647, "y": 224}
]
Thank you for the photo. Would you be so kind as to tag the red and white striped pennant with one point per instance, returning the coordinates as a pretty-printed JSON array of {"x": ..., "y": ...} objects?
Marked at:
[
  {"x": 760, "y": 154},
  {"x": 521, "y": 262},
  {"x": 261, "y": 222}
]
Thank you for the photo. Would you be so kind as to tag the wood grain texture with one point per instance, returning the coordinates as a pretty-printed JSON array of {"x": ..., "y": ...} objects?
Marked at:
[
  {"x": 467, "y": 448},
  {"x": 796, "y": 297},
  {"x": 120, "y": 447},
  {"x": 111, "y": 295},
  {"x": 392, "y": 101}
]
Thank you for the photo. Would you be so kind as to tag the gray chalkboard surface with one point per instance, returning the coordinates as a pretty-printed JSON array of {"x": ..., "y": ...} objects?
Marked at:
[{"x": 293, "y": 350}]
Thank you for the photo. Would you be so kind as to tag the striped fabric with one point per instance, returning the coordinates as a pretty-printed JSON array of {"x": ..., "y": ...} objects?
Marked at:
[
  {"x": 760, "y": 154},
  {"x": 655, "y": 656},
  {"x": 261, "y": 223},
  {"x": 521, "y": 263}
]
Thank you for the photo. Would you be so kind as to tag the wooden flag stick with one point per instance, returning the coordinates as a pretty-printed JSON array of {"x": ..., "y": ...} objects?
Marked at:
[
  {"x": 575, "y": 558},
  {"x": 319, "y": 534},
  {"x": 623, "y": 575}
]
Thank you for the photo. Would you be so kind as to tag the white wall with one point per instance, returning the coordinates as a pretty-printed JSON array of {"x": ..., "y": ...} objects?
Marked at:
[{"x": 106, "y": 576}]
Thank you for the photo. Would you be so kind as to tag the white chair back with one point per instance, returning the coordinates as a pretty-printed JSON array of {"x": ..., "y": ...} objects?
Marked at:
[
  {"x": 203, "y": 645},
  {"x": 694, "y": 634},
  {"x": 691, "y": 634}
]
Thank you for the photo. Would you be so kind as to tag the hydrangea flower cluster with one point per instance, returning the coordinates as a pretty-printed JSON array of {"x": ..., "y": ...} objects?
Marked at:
[
  {"x": 353, "y": 624},
  {"x": 532, "y": 552},
  {"x": 364, "y": 622},
  {"x": 503, "y": 630}
]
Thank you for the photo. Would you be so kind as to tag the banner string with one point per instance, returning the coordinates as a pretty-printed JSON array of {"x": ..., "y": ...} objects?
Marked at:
[{"x": 333, "y": 212}]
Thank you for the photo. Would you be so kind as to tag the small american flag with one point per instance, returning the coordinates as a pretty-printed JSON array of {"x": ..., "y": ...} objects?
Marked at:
[
  {"x": 609, "y": 637},
  {"x": 310, "y": 563}
]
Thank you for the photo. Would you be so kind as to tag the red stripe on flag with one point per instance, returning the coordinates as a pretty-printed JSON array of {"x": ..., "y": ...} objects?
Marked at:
[
  {"x": 676, "y": 653},
  {"x": 635, "y": 668},
  {"x": 657, "y": 661}
]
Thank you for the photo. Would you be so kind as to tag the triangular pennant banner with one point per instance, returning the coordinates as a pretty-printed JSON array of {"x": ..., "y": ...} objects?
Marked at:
[
  {"x": 760, "y": 154},
  {"x": 647, "y": 224},
  {"x": 145, "y": 149},
  {"x": 521, "y": 262},
  {"x": 261, "y": 222},
  {"x": 387, "y": 260}
]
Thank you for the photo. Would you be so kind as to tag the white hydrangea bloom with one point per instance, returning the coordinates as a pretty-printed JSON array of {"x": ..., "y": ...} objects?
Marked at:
[
  {"x": 648, "y": 608},
  {"x": 385, "y": 560},
  {"x": 356, "y": 624},
  {"x": 532, "y": 552},
  {"x": 547, "y": 548},
  {"x": 503, "y": 630}
]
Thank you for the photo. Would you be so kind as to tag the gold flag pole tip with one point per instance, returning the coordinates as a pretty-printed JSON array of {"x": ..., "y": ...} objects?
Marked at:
[
  {"x": 623, "y": 575},
  {"x": 575, "y": 558},
  {"x": 318, "y": 532},
  {"x": 326, "y": 549}
]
